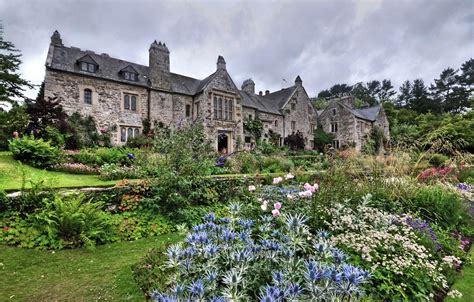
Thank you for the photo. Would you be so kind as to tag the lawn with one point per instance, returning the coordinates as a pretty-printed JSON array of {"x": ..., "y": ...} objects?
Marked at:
[
  {"x": 12, "y": 171},
  {"x": 74, "y": 275},
  {"x": 465, "y": 283}
]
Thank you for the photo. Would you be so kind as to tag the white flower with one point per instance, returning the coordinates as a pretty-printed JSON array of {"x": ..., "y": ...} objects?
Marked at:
[
  {"x": 252, "y": 188},
  {"x": 289, "y": 176}
]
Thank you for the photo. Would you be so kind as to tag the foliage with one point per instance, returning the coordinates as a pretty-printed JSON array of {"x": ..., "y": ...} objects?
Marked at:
[
  {"x": 185, "y": 151},
  {"x": 13, "y": 120},
  {"x": 82, "y": 132},
  {"x": 96, "y": 157},
  {"x": 375, "y": 141},
  {"x": 273, "y": 164},
  {"x": 390, "y": 247},
  {"x": 12, "y": 84},
  {"x": 35, "y": 152},
  {"x": 236, "y": 258},
  {"x": 114, "y": 171},
  {"x": 61, "y": 222},
  {"x": 295, "y": 141},
  {"x": 322, "y": 139},
  {"x": 254, "y": 127}
]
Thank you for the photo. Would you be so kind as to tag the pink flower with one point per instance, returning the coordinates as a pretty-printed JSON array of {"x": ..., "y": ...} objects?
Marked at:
[
  {"x": 289, "y": 176},
  {"x": 252, "y": 188},
  {"x": 277, "y": 180},
  {"x": 276, "y": 212},
  {"x": 307, "y": 186},
  {"x": 15, "y": 134},
  {"x": 305, "y": 194},
  {"x": 277, "y": 206}
]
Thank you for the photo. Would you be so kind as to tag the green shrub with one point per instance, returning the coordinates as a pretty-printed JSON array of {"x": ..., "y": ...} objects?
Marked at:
[
  {"x": 438, "y": 160},
  {"x": 35, "y": 152},
  {"x": 274, "y": 164},
  {"x": 140, "y": 141},
  {"x": 53, "y": 135},
  {"x": 101, "y": 156},
  {"x": 438, "y": 204},
  {"x": 466, "y": 175},
  {"x": 139, "y": 224},
  {"x": 72, "y": 221}
]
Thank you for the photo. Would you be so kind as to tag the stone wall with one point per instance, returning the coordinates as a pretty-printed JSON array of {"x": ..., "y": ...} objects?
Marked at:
[
  {"x": 303, "y": 115},
  {"x": 346, "y": 124},
  {"x": 107, "y": 99}
]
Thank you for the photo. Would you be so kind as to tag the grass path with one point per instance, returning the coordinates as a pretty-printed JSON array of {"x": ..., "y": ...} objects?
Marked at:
[
  {"x": 465, "y": 283},
  {"x": 74, "y": 275},
  {"x": 11, "y": 176}
]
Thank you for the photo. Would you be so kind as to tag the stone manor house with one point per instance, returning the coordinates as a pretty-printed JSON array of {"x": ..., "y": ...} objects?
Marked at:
[{"x": 121, "y": 94}]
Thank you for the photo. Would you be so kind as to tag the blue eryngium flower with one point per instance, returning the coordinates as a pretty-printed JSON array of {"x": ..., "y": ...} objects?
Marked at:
[
  {"x": 225, "y": 220},
  {"x": 338, "y": 255},
  {"x": 272, "y": 293},
  {"x": 197, "y": 288},
  {"x": 277, "y": 277},
  {"x": 227, "y": 235},
  {"x": 161, "y": 297},
  {"x": 354, "y": 275},
  {"x": 294, "y": 290},
  {"x": 246, "y": 223},
  {"x": 211, "y": 249},
  {"x": 211, "y": 276},
  {"x": 210, "y": 217},
  {"x": 323, "y": 234}
]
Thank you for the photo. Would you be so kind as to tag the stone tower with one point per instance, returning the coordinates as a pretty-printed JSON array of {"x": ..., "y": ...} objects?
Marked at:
[
  {"x": 159, "y": 63},
  {"x": 249, "y": 86}
]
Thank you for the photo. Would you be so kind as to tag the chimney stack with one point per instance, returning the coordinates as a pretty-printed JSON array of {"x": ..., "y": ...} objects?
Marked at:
[
  {"x": 267, "y": 92},
  {"x": 221, "y": 63},
  {"x": 260, "y": 93},
  {"x": 56, "y": 39},
  {"x": 249, "y": 86}
]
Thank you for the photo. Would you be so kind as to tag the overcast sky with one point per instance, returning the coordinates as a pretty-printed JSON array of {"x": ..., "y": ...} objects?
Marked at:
[{"x": 325, "y": 42}]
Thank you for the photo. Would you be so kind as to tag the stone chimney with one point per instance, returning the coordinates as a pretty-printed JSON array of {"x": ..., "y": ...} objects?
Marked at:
[
  {"x": 347, "y": 100},
  {"x": 56, "y": 39},
  {"x": 298, "y": 81},
  {"x": 260, "y": 93},
  {"x": 159, "y": 64},
  {"x": 267, "y": 92},
  {"x": 221, "y": 63},
  {"x": 249, "y": 86}
]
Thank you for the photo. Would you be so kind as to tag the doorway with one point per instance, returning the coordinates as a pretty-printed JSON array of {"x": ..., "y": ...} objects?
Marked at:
[{"x": 223, "y": 143}]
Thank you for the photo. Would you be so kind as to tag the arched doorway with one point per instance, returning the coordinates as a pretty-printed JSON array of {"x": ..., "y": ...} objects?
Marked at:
[{"x": 223, "y": 143}]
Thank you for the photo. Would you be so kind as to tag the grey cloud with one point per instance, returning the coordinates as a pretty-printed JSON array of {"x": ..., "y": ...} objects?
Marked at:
[{"x": 325, "y": 42}]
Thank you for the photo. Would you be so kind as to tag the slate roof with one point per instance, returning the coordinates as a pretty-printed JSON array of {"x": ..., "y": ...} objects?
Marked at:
[
  {"x": 65, "y": 59},
  {"x": 270, "y": 103},
  {"x": 369, "y": 114}
]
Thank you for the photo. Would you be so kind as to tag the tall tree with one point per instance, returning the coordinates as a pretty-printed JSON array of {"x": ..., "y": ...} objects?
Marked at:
[
  {"x": 12, "y": 85},
  {"x": 466, "y": 78},
  {"x": 373, "y": 88},
  {"x": 405, "y": 96},
  {"x": 386, "y": 91},
  {"x": 340, "y": 88},
  {"x": 421, "y": 101}
]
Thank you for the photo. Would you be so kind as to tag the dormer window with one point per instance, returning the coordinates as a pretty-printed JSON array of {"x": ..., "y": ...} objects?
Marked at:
[
  {"x": 129, "y": 73},
  {"x": 87, "y": 64},
  {"x": 89, "y": 67},
  {"x": 130, "y": 76}
]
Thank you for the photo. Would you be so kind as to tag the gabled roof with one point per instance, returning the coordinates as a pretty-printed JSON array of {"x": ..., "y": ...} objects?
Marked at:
[
  {"x": 280, "y": 97},
  {"x": 270, "y": 103},
  {"x": 369, "y": 113},
  {"x": 87, "y": 59},
  {"x": 129, "y": 68}
]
